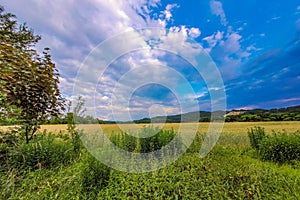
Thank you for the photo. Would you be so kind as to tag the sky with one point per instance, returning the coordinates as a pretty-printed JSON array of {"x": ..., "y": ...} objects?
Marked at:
[{"x": 248, "y": 49}]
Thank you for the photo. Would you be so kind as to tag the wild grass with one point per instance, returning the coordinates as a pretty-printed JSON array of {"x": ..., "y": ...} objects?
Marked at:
[{"x": 232, "y": 170}]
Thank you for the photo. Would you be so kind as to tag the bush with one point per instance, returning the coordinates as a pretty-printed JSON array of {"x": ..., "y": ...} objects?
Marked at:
[
  {"x": 280, "y": 147},
  {"x": 255, "y": 135}
]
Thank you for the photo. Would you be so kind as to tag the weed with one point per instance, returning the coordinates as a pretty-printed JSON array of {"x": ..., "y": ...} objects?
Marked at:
[{"x": 256, "y": 134}]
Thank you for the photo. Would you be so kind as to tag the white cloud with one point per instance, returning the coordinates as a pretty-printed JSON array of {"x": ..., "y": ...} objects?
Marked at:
[
  {"x": 252, "y": 48},
  {"x": 167, "y": 15},
  {"x": 73, "y": 28},
  {"x": 232, "y": 43},
  {"x": 262, "y": 35},
  {"x": 226, "y": 48},
  {"x": 213, "y": 40},
  {"x": 126, "y": 72},
  {"x": 217, "y": 9},
  {"x": 194, "y": 32}
]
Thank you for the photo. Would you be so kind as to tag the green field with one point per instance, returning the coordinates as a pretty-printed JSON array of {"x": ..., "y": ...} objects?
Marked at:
[{"x": 233, "y": 170}]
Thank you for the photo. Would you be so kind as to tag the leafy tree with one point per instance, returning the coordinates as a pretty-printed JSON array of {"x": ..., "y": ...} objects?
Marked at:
[{"x": 28, "y": 80}]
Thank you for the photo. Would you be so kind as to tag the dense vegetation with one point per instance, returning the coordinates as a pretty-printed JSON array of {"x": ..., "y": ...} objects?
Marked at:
[
  {"x": 279, "y": 147},
  {"x": 261, "y": 115},
  {"x": 49, "y": 168}
]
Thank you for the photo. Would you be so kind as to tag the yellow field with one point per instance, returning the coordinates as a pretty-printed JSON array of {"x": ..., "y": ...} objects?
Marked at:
[{"x": 229, "y": 128}]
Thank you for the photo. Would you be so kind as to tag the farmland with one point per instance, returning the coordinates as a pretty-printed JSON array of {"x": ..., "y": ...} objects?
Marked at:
[
  {"x": 233, "y": 170},
  {"x": 229, "y": 128}
]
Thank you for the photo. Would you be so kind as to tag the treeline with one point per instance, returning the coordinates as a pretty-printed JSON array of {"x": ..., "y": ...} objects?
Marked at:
[
  {"x": 265, "y": 117},
  {"x": 79, "y": 120},
  {"x": 55, "y": 120}
]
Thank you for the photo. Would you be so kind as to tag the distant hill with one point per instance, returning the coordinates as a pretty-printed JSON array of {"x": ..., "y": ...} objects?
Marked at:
[
  {"x": 276, "y": 114},
  {"x": 204, "y": 116},
  {"x": 254, "y": 115}
]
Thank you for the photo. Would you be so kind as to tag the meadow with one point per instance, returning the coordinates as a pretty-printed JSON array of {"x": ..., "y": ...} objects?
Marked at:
[
  {"x": 239, "y": 128},
  {"x": 48, "y": 168}
]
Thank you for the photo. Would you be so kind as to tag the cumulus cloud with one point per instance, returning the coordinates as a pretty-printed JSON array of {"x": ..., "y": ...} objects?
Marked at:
[
  {"x": 136, "y": 69},
  {"x": 194, "y": 32},
  {"x": 72, "y": 29},
  {"x": 167, "y": 12},
  {"x": 217, "y": 9},
  {"x": 213, "y": 40},
  {"x": 229, "y": 52}
]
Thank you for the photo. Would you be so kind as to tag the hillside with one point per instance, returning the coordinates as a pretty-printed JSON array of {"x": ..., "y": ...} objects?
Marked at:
[{"x": 275, "y": 114}]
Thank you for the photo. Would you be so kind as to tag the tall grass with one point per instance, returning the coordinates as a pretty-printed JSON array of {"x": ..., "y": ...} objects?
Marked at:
[
  {"x": 226, "y": 173},
  {"x": 151, "y": 139},
  {"x": 255, "y": 135}
]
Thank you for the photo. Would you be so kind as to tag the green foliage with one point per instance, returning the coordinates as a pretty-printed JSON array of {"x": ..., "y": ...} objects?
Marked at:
[
  {"x": 44, "y": 151},
  {"x": 63, "y": 119},
  {"x": 28, "y": 80},
  {"x": 265, "y": 116},
  {"x": 151, "y": 139},
  {"x": 255, "y": 135},
  {"x": 158, "y": 139},
  {"x": 8, "y": 143},
  {"x": 196, "y": 144},
  {"x": 94, "y": 176},
  {"x": 124, "y": 141},
  {"x": 280, "y": 147},
  {"x": 226, "y": 173},
  {"x": 204, "y": 119}
]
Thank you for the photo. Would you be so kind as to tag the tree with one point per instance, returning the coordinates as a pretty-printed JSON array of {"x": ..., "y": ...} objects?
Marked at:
[{"x": 28, "y": 80}]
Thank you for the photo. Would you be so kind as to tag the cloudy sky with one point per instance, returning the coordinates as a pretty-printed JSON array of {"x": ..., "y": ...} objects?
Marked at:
[{"x": 255, "y": 45}]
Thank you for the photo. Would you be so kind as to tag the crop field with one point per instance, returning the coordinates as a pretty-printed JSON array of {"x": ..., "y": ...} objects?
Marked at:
[
  {"x": 229, "y": 128},
  {"x": 239, "y": 128}
]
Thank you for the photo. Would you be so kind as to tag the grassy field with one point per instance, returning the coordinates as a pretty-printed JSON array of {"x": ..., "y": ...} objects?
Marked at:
[{"x": 48, "y": 168}]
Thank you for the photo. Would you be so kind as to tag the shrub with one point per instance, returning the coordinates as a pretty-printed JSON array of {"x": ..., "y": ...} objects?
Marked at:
[
  {"x": 255, "y": 135},
  {"x": 280, "y": 147}
]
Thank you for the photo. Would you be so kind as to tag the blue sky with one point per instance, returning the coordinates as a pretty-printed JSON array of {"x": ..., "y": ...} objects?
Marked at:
[{"x": 254, "y": 44}]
